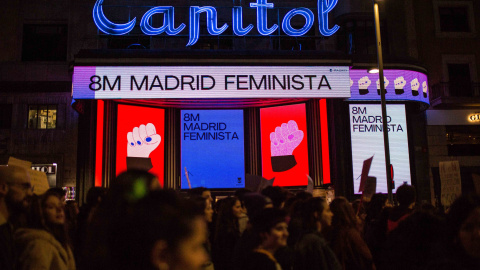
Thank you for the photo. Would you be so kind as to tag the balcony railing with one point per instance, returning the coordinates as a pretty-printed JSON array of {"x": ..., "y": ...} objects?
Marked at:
[{"x": 448, "y": 89}]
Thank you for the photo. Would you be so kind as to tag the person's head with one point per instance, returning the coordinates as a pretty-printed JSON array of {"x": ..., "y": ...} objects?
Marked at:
[
  {"x": 229, "y": 212},
  {"x": 203, "y": 206},
  {"x": 463, "y": 225},
  {"x": 278, "y": 195},
  {"x": 168, "y": 234},
  {"x": 131, "y": 185},
  {"x": 254, "y": 203},
  {"x": 60, "y": 192},
  {"x": 95, "y": 195},
  {"x": 343, "y": 213},
  {"x": 16, "y": 186},
  {"x": 271, "y": 228},
  {"x": 53, "y": 208},
  {"x": 375, "y": 206},
  {"x": 315, "y": 214},
  {"x": 406, "y": 196},
  {"x": 201, "y": 192}
]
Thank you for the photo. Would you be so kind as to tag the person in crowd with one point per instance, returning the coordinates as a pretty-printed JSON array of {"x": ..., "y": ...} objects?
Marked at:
[
  {"x": 414, "y": 243},
  {"x": 375, "y": 230},
  {"x": 278, "y": 195},
  {"x": 462, "y": 245},
  {"x": 15, "y": 190},
  {"x": 270, "y": 232},
  {"x": 104, "y": 228},
  {"x": 345, "y": 238},
  {"x": 204, "y": 207},
  {"x": 95, "y": 196},
  {"x": 243, "y": 219},
  {"x": 160, "y": 232},
  {"x": 311, "y": 250},
  {"x": 201, "y": 192},
  {"x": 44, "y": 243},
  {"x": 406, "y": 197},
  {"x": 226, "y": 233}
]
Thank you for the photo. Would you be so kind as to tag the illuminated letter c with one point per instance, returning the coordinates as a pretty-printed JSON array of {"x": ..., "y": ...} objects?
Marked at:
[{"x": 107, "y": 26}]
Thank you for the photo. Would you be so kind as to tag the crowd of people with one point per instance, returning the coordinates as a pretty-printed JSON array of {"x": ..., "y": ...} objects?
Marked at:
[{"x": 135, "y": 224}]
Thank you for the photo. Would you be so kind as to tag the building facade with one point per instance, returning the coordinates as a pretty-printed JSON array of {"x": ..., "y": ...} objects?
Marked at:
[{"x": 51, "y": 45}]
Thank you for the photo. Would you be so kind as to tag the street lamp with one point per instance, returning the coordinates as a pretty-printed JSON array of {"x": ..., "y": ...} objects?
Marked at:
[{"x": 383, "y": 102}]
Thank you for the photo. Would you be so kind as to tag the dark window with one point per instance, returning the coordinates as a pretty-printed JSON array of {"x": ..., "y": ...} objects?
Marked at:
[
  {"x": 460, "y": 84},
  {"x": 358, "y": 37},
  {"x": 453, "y": 19},
  {"x": 463, "y": 140},
  {"x": 42, "y": 116},
  {"x": 44, "y": 42},
  {"x": 5, "y": 116}
]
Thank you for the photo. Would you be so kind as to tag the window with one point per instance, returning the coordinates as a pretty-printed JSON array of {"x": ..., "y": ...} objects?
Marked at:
[
  {"x": 5, "y": 116},
  {"x": 357, "y": 37},
  {"x": 454, "y": 19},
  {"x": 42, "y": 116},
  {"x": 463, "y": 140},
  {"x": 460, "y": 83},
  {"x": 44, "y": 42}
]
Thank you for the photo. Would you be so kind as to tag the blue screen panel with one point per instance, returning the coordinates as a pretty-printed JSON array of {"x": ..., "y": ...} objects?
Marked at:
[{"x": 212, "y": 149}]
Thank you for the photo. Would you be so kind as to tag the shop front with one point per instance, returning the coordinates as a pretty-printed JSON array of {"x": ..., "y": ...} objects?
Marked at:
[{"x": 222, "y": 121}]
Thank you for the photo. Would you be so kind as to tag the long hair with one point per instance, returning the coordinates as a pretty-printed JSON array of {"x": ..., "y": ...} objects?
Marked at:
[
  {"x": 226, "y": 221},
  {"x": 36, "y": 218},
  {"x": 343, "y": 214}
]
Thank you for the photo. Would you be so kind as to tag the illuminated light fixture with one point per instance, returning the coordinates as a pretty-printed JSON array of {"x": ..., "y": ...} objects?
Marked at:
[
  {"x": 262, "y": 6},
  {"x": 107, "y": 26},
  {"x": 324, "y": 7},
  {"x": 168, "y": 22},
  {"x": 373, "y": 70},
  {"x": 211, "y": 23},
  {"x": 309, "y": 19},
  {"x": 237, "y": 15}
]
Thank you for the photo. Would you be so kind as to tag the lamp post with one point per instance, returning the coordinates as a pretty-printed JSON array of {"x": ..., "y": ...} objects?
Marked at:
[{"x": 383, "y": 101}]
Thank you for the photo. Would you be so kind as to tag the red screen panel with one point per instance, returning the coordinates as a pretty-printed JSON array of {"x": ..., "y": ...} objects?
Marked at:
[
  {"x": 325, "y": 142},
  {"x": 140, "y": 134},
  {"x": 99, "y": 145},
  {"x": 284, "y": 145}
]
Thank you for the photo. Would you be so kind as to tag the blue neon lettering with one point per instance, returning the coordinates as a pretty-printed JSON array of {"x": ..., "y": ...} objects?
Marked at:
[
  {"x": 168, "y": 22},
  {"x": 262, "y": 6},
  {"x": 287, "y": 27},
  {"x": 238, "y": 22},
  {"x": 324, "y": 7},
  {"x": 212, "y": 28},
  {"x": 108, "y": 27}
]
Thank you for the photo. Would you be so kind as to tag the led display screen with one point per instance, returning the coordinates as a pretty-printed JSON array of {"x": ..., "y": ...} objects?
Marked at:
[
  {"x": 212, "y": 149},
  {"x": 140, "y": 139},
  {"x": 284, "y": 145},
  {"x": 367, "y": 141},
  {"x": 110, "y": 82},
  {"x": 400, "y": 85}
]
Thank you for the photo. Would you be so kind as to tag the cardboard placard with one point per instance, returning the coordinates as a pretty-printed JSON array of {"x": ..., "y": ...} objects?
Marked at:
[
  {"x": 367, "y": 163},
  {"x": 370, "y": 188},
  {"x": 19, "y": 163},
  {"x": 39, "y": 182},
  {"x": 451, "y": 182}
]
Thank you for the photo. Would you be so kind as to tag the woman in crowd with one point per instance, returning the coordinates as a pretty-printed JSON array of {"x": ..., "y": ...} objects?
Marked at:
[
  {"x": 106, "y": 222},
  {"x": 346, "y": 240},
  {"x": 160, "y": 232},
  {"x": 269, "y": 232},
  {"x": 44, "y": 243},
  {"x": 311, "y": 250},
  {"x": 226, "y": 233},
  {"x": 204, "y": 208}
]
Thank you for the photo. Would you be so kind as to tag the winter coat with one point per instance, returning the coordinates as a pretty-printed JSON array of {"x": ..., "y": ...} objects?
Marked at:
[{"x": 38, "y": 249}]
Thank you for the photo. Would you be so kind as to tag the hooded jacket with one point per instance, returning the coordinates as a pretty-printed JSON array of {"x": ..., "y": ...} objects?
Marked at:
[{"x": 39, "y": 250}]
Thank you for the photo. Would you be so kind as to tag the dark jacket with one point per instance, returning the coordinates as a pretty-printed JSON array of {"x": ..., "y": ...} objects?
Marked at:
[{"x": 313, "y": 253}]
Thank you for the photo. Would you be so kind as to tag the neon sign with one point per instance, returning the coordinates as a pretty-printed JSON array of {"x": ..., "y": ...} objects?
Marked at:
[
  {"x": 261, "y": 6},
  {"x": 474, "y": 117}
]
